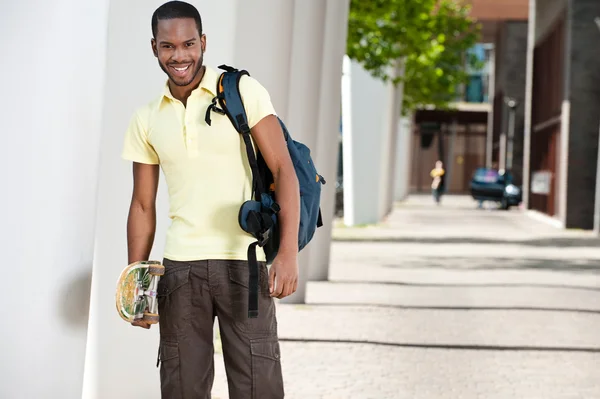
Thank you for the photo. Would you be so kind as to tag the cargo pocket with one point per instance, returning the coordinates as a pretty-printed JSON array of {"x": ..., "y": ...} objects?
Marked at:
[
  {"x": 170, "y": 374},
  {"x": 174, "y": 299},
  {"x": 267, "y": 379},
  {"x": 238, "y": 291},
  {"x": 239, "y": 274}
]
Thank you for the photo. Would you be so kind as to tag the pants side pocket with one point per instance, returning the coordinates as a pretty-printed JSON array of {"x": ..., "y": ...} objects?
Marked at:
[
  {"x": 170, "y": 373},
  {"x": 267, "y": 379}
]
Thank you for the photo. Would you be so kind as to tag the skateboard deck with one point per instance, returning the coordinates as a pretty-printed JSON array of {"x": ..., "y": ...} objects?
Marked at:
[{"x": 136, "y": 293}]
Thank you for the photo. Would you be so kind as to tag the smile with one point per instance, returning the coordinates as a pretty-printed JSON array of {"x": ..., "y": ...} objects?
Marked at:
[{"x": 180, "y": 70}]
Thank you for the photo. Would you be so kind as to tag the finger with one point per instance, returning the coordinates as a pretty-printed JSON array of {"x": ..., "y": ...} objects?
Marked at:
[
  {"x": 141, "y": 323},
  {"x": 271, "y": 280},
  {"x": 290, "y": 288},
  {"x": 278, "y": 289},
  {"x": 285, "y": 289}
]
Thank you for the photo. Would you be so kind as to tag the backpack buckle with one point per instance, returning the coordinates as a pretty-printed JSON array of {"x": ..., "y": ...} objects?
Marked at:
[
  {"x": 227, "y": 68},
  {"x": 264, "y": 238},
  {"x": 212, "y": 107}
]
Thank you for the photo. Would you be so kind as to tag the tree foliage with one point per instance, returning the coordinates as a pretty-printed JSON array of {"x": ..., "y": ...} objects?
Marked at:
[{"x": 431, "y": 36}]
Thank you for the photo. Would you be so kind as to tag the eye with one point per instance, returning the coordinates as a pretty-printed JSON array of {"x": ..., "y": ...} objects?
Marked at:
[
  {"x": 166, "y": 46},
  {"x": 190, "y": 44}
]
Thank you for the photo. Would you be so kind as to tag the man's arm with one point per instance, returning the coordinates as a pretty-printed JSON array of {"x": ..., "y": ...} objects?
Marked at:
[
  {"x": 270, "y": 141},
  {"x": 141, "y": 222}
]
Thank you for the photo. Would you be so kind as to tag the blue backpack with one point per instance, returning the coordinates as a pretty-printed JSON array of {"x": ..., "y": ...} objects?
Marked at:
[{"x": 258, "y": 216}]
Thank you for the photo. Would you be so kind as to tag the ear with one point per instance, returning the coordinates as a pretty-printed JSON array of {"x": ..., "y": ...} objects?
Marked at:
[
  {"x": 154, "y": 47},
  {"x": 203, "y": 43}
]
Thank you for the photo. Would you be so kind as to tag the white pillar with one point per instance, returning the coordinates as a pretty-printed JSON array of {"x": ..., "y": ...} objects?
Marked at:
[
  {"x": 403, "y": 159},
  {"x": 303, "y": 103},
  {"x": 366, "y": 133},
  {"x": 52, "y": 105},
  {"x": 327, "y": 148},
  {"x": 531, "y": 34},
  {"x": 390, "y": 145},
  {"x": 263, "y": 46},
  {"x": 450, "y": 161},
  {"x": 118, "y": 352},
  {"x": 489, "y": 143}
]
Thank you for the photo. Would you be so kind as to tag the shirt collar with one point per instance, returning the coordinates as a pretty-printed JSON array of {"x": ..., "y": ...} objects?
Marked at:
[{"x": 208, "y": 84}]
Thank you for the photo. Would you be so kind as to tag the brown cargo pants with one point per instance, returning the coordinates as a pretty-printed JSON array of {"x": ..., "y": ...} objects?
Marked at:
[{"x": 190, "y": 295}]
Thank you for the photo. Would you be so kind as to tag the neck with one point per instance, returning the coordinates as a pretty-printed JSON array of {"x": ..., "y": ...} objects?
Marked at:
[{"x": 183, "y": 92}]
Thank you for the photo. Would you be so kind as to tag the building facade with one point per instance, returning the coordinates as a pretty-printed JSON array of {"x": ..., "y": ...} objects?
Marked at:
[{"x": 563, "y": 110}]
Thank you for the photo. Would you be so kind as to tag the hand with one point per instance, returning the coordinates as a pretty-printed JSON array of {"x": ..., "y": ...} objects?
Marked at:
[
  {"x": 141, "y": 323},
  {"x": 283, "y": 276}
]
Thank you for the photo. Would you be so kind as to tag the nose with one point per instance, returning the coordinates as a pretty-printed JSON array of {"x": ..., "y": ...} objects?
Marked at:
[{"x": 179, "y": 54}]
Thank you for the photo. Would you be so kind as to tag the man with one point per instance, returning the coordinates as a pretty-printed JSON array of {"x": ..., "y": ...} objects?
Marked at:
[
  {"x": 208, "y": 177},
  {"x": 437, "y": 185}
]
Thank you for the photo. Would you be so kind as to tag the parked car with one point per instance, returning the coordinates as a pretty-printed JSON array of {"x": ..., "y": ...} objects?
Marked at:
[{"x": 489, "y": 184}]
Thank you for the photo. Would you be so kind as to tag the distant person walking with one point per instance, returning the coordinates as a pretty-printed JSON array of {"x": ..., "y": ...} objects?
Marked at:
[{"x": 437, "y": 185}]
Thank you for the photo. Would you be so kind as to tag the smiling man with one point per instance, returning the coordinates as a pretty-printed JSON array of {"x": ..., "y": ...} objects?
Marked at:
[{"x": 208, "y": 179}]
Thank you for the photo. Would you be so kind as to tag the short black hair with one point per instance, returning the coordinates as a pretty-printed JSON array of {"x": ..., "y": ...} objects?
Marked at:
[{"x": 175, "y": 9}]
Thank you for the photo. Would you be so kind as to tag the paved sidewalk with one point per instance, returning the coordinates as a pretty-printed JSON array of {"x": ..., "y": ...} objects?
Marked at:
[{"x": 444, "y": 303}]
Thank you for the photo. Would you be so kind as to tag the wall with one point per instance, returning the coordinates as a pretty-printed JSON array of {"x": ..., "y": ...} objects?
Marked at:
[
  {"x": 51, "y": 119},
  {"x": 514, "y": 60},
  {"x": 499, "y": 10},
  {"x": 584, "y": 97},
  {"x": 547, "y": 12}
]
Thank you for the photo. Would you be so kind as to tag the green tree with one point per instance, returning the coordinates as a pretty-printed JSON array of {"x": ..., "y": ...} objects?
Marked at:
[{"x": 431, "y": 36}]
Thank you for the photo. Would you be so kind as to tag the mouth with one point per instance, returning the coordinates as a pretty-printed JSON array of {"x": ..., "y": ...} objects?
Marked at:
[{"x": 180, "y": 70}]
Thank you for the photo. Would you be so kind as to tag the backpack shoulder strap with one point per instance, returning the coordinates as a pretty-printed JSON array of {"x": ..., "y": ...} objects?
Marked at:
[
  {"x": 251, "y": 215},
  {"x": 230, "y": 101}
]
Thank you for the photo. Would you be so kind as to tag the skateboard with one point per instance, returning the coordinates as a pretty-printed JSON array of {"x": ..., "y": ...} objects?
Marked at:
[{"x": 136, "y": 293}]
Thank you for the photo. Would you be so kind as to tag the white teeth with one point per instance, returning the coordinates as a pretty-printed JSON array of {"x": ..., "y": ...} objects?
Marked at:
[{"x": 181, "y": 69}]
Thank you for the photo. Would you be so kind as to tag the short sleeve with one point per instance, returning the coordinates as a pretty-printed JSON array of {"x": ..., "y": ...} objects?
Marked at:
[
  {"x": 136, "y": 147},
  {"x": 257, "y": 100}
]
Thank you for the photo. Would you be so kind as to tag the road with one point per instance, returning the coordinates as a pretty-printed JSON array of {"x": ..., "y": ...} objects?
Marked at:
[{"x": 447, "y": 302}]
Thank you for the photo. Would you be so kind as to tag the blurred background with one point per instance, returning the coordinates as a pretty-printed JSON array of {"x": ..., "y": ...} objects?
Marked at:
[{"x": 459, "y": 139}]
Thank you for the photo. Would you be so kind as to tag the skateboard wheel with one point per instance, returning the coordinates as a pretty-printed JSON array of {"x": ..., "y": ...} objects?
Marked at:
[
  {"x": 150, "y": 318},
  {"x": 156, "y": 270}
]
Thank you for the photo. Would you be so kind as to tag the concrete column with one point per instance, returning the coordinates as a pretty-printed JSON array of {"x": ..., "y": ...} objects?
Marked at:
[
  {"x": 304, "y": 90},
  {"x": 51, "y": 124},
  {"x": 531, "y": 34},
  {"x": 388, "y": 161},
  {"x": 263, "y": 46},
  {"x": 366, "y": 107},
  {"x": 403, "y": 159},
  {"x": 489, "y": 144},
  {"x": 450, "y": 161},
  {"x": 327, "y": 149},
  {"x": 502, "y": 156}
]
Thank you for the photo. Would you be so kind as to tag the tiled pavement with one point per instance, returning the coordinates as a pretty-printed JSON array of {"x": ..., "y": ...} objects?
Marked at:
[{"x": 445, "y": 303}]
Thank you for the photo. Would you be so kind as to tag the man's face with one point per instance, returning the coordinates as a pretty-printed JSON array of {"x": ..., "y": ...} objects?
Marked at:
[{"x": 179, "y": 49}]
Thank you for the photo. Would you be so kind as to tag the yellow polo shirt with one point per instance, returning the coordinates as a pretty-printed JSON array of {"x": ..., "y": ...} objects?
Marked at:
[{"x": 205, "y": 167}]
